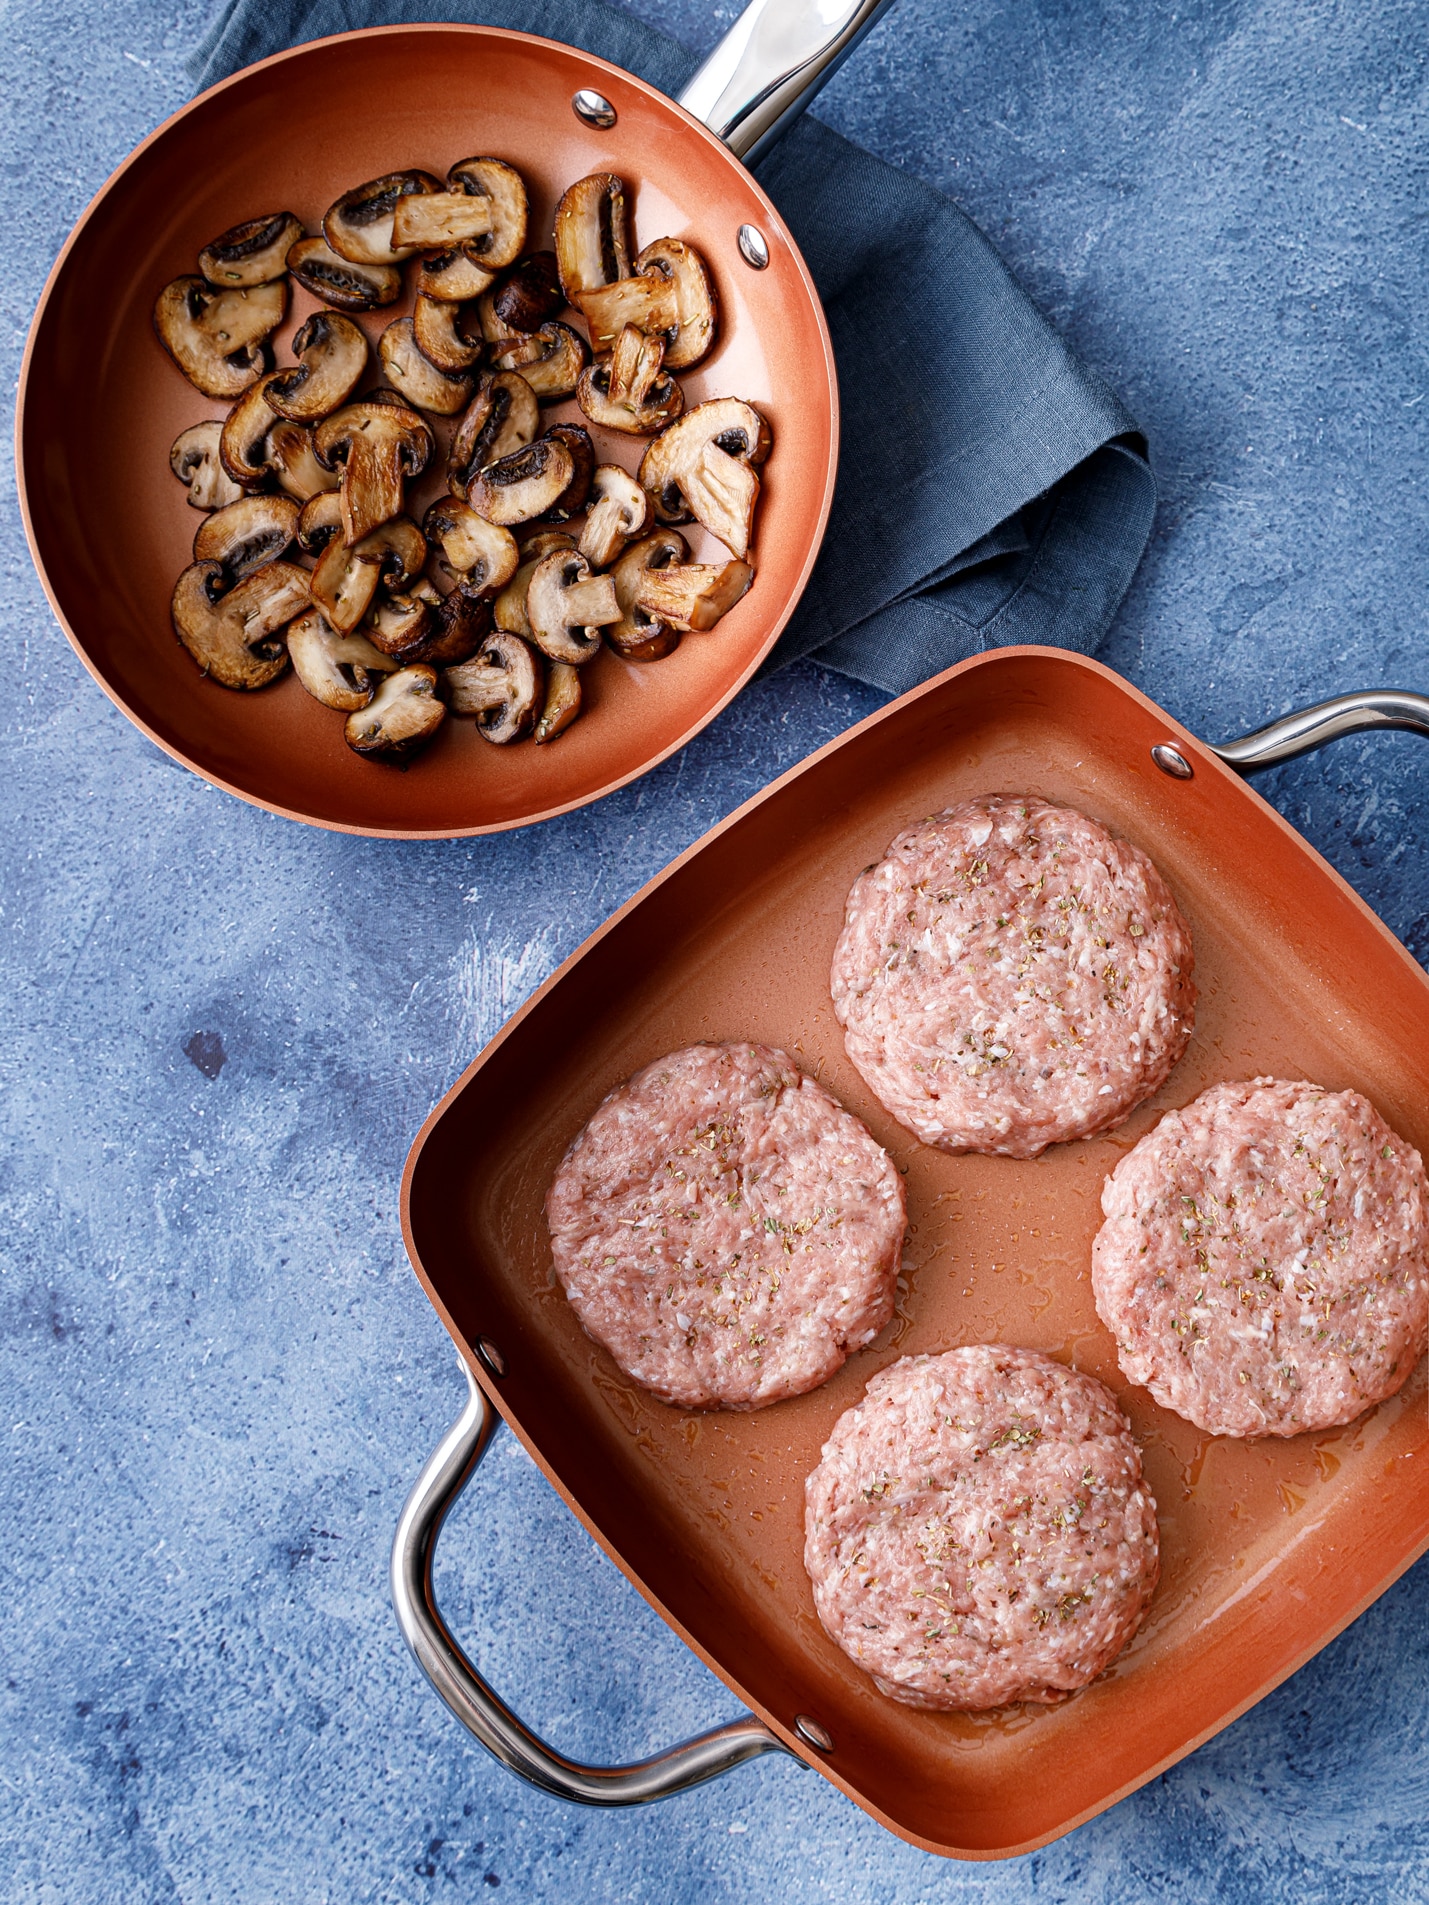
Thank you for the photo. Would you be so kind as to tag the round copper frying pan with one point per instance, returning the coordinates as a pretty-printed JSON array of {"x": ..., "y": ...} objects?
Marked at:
[{"x": 100, "y": 403}]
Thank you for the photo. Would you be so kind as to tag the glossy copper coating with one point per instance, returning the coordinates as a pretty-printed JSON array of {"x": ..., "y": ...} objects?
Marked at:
[
  {"x": 100, "y": 403},
  {"x": 1268, "y": 1549}
]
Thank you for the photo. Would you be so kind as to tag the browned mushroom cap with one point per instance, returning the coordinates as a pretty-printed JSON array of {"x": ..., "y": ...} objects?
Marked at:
[
  {"x": 377, "y": 445},
  {"x": 670, "y": 296},
  {"x": 333, "y": 355},
  {"x": 237, "y": 637},
  {"x": 254, "y": 252},
  {"x": 294, "y": 462},
  {"x": 455, "y": 275},
  {"x": 628, "y": 390},
  {"x": 564, "y": 696},
  {"x": 194, "y": 459},
  {"x": 572, "y": 499},
  {"x": 340, "y": 671},
  {"x": 567, "y": 606},
  {"x": 481, "y": 555},
  {"x": 591, "y": 244},
  {"x": 442, "y": 335},
  {"x": 247, "y": 534},
  {"x": 351, "y": 287},
  {"x": 344, "y": 583},
  {"x": 217, "y": 337},
  {"x": 346, "y": 579},
  {"x": 460, "y": 624},
  {"x": 502, "y": 188},
  {"x": 638, "y": 635},
  {"x": 528, "y": 294},
  {"x": 694, "y": 596},
  {"x": 618, "y": 512},
  {"x": 400, "y": 719},
  {"x": 509, "y": 608},
  {"x": 243, "y": 442},
  {"x": 503, "y": 417},
  {"x": 524, "y": 485},
  {"x": 550, "y": 360},
  {"x": 443, "y": 392},
  {"x": 399, "y": 624},
  {"x": 359, "y": 225},
  {"x": 436, "y": 221},
  {"x": 702, "y": 467},
  {"x": 502, "y": 686},
  {"x": 319, "y": 520}
]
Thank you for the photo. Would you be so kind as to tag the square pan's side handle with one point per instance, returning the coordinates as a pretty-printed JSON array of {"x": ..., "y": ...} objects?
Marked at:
[
  {"x": 1299, "y": 733},
  {"x": 449, "y": 1469}
]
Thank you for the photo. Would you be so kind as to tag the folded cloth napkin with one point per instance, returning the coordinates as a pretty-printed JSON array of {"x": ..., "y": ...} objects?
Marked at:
[{"x": 1012, "y": 497}]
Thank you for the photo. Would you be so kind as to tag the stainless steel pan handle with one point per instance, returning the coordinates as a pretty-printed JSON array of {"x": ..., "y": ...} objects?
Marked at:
[
  {"x": 473, "y": 1701},
  {"x": 770, "y": 64},
  {"x": 1312, "y": 727}
]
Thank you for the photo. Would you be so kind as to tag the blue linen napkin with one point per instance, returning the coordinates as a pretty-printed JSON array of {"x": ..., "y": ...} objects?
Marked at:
[{"x": 991, "y": 489}]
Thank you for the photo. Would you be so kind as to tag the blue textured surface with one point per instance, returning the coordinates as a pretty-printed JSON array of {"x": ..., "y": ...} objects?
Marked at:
[{"x": 218, "y": 1373}]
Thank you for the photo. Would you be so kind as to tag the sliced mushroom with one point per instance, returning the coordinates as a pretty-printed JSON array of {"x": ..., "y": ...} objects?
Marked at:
[
  {"x": 237, "y": 637},
  {"x": 504, "y": 190},
  {"x": 572, "y": 499},
  {"x": 638, "y": 635},
  {"x": 254, "y": 252},
  {"x": 502, "y": 686},
  {"x": 247, "y": 534},
  {"x": 591, "y": 244},
  {"x": 629, "y": 390},
  {"x": 435, "y": 221},
  {"x": 294, "y": 462},
  {"x": 243, "y": 443},
  {"x": 567, "y": 606},
  {"x": 550, "y": 360},
  {"x": 509, "y": 608},
  {"x": 194, "y": 459},
  {"x": 341, "y": 281},
  {"x": 333, "y": 355},
  {"x": 503, "y": 417},
  {"x": 564, "y": 696},
  {"x": 693, "y": 596},
  {"x": 376, "y": 445},
  {"x": 346, "y": 579},
  {"x": 319, "y": 520},
  {"x": 481, "y": 555},
  {"x": 420, "y": 382},
  {"x": 455, "y": 275},
  {"x": 459, "y": 624},
  {"x": 442, "y": 336},
  {"x": 217, "y": 337},
  {"x": 359, "y": 225},
  {"x": 669, "y": 296},
  {"x": 523, "y": 486},
  {"x": 399, "y": 624},
  {"x": 400, "y": 719},
  {"x": 340, "y": 671},
  {"x": 528, "y": 294},
  {"x": 618, "y": 512},
  {"x": 703, "y": 467}
]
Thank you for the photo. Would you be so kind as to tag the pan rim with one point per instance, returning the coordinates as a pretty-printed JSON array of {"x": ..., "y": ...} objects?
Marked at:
[
  {"x": 95, "y": 208},
  {"x": 1204, "y": 760}
]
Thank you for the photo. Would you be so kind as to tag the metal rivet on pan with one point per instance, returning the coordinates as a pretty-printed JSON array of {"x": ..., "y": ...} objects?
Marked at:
[
  {"x": 813, "y": 1734},
  {"x": 594, "y": 108},
  {"x": 753, "y": 246},
  {"x": 1172, "y": 761},
  {"x": 490, "y": 1357}
]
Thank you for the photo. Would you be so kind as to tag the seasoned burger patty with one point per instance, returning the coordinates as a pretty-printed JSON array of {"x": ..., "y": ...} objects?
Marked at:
[
  {"x": 978, "y": 1530},
  {"x": 726, "y": 1230},
  {"x": 1264, "y": 1263},
  {"x": 1009, "y": 976}
]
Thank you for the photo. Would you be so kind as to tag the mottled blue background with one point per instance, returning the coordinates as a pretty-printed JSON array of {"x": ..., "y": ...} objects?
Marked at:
[{"x": 219, "y": 1376}]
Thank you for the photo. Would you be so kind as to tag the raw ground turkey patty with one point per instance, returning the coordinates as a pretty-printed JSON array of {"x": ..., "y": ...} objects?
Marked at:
[
  {"x": 1264, "y": 1263},
  {"x": 978, "y": 1531},
  {"x": 1010, "y": 975},
  {"x": 726, "y": 1230}
]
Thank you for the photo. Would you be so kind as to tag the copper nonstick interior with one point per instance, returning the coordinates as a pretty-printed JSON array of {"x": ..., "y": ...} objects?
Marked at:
[
  {"x": 100, "y": 404},
  {"x": 1268, "y": 1548}
]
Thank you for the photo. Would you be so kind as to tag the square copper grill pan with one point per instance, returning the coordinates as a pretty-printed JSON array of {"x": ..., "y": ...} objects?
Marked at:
[{"x": 1268, "y": 1549}]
